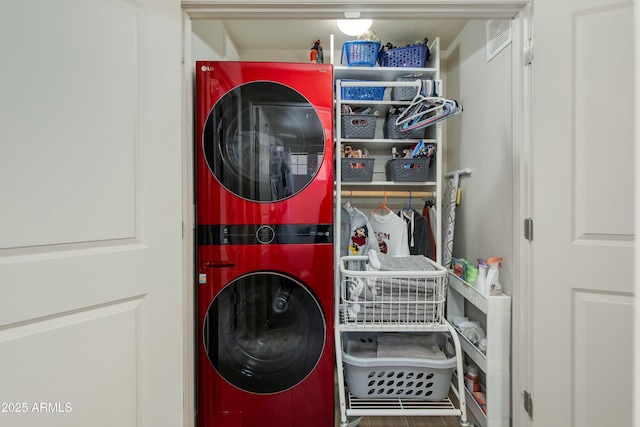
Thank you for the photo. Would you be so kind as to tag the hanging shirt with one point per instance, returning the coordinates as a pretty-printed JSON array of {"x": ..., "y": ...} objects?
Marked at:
[
  {"x": 358, "y": 236},
  {"x": 417, "y": 231},
  {"x": 429, "y": 213},
  {"x": 391, "y": 233}
]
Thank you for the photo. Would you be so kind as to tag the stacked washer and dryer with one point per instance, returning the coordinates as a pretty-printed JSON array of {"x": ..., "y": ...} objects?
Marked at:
[{"x": 265, "y": 209}]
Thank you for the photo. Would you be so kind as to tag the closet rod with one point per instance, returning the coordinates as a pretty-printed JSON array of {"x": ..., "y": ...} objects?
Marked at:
[{"x": 380, "y": 193}]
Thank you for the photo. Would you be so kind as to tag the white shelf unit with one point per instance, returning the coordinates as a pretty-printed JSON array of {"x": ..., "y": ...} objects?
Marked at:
[
  {"x": 496, "y": 362},
  {"x": 370, "y": 194}
]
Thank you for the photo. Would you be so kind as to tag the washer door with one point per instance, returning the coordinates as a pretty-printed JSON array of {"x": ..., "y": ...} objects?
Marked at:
[
  {"x": 263, "y": 141},
  {"x": 264, "y": 332}
]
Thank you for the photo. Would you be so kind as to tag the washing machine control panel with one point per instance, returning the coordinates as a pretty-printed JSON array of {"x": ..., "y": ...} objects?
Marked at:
[{"x": 265, "y": 234}]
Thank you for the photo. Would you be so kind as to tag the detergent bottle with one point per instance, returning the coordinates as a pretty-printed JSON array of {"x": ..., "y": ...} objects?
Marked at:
[
  {"x": 493, "y": 286},
  {"x": 481, "y": 281}
]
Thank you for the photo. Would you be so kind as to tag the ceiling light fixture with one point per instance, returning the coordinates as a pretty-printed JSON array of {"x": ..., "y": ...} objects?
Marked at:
[{"x": 353, "y": 26}]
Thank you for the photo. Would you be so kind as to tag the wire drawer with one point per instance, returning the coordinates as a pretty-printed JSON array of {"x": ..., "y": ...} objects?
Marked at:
[{"x": 409, "y": 298}]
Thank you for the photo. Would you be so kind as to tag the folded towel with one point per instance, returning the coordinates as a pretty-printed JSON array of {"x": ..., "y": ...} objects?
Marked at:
[
  {"x": 409, "y": 346},
  {"x": 362, "y": 349},
  {"x": 383, "y": 262}
]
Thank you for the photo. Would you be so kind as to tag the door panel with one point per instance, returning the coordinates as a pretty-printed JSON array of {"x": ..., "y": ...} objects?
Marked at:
[
  {"x": 90, "y": 237},
  {"x": 584, "y": 213}
]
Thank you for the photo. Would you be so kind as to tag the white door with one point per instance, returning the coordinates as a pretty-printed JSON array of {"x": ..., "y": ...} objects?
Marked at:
[
  {"x": 90, "y": 213},
  {"x": 583, "y": 201}
]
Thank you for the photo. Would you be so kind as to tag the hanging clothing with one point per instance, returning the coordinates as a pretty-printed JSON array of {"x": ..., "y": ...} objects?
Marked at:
[
  {"x": 391, "y": 233},
  {"x": 426, "y": 212},
  {"x": 417, "y": 231},
  {"x": 356, "y": 239}
]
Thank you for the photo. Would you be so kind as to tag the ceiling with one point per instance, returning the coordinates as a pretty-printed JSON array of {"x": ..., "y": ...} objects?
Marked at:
[{"x": 301, "y": 33}]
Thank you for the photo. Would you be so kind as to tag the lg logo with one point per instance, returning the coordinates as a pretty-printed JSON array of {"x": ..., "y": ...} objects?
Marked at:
[{"x": 205, "y": 68}]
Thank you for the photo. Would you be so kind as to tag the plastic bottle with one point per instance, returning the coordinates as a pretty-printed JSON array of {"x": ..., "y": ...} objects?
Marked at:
[
  {"x": 493, "y": 286},
  {"x": 481, "y": 281},
  {"x": 471, "y": 378}
]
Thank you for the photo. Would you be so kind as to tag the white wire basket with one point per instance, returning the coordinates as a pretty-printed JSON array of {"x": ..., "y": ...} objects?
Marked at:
[{"x": 369, "y": 296}]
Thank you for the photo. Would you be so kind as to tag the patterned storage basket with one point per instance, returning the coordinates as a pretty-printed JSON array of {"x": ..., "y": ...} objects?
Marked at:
[
  {"x": 373, "y": 93},
  {"x": 392, "y": 131},
  {"x": 407, "y": 93},
  {"x": 360, "y": 53},
  {"x": 359, "y": 126},
  {"x": 357, "y": 169},
  {"x": 408, "y": 56},
  {"x": 408, "y": 170}
]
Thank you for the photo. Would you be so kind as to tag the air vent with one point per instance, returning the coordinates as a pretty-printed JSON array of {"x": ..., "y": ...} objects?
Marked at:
[{"x": 498, "y": 37}]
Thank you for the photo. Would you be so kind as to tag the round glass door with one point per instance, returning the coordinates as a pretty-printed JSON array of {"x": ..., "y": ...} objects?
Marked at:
[
  {"x": 264, "y": 332},
  {"x": 263, "y": 141}
]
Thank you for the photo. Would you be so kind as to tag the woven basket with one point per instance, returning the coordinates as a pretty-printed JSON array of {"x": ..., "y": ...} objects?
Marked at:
[
  {"x": 357, "y": 169},
  {"x": 408, "y": 56},
  {"x": 392, "y": 131},
  {"x": 359, "y": 126},
  {"x": 408, "y": 170}
]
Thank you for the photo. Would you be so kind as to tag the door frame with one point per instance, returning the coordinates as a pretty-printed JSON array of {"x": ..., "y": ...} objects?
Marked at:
[{"x": 521, "y": 12}]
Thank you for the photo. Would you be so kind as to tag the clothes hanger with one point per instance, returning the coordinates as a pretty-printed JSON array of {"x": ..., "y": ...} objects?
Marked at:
[
  {"x": 412, "y": 117},
  {"x": 445, "y": 109},
  {"x": 408, "y": 207},
  {"x": 383, "y": 205},
  {"x": 420, "y": 105}
]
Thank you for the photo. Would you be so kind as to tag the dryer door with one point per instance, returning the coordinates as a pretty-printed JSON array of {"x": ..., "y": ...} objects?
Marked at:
[
  {"x": 263, "y": 141},
  {"x": 264, "y": 332}
]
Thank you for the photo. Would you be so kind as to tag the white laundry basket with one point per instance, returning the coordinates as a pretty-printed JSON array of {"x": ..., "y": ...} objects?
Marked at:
[{"x": 395, "y": 377}]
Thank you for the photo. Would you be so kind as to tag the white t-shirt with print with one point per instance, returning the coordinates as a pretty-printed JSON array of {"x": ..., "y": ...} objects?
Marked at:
[{"x": 391, "y": 233}]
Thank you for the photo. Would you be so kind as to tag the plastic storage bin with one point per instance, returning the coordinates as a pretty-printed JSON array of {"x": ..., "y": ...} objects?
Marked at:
[
  {"x": 407, "y": 93},
  {"x": 408, "y": 56},
  {"x": 360, "y": 53},
  {"x": 392, "y": 131},
  {"x": 408, "y": 170},
  {"x": 359, "y": 126},
  {"x": 396, "y": 377},
  {"x": 357, "y": 169},
  {"x": 373, "y": 93}
]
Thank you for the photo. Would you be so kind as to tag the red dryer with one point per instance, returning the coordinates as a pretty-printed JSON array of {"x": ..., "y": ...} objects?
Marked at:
[{"x": 264, "y": 164}]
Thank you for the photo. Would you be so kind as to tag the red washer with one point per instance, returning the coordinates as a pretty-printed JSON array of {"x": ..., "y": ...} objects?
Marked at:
[
  {"x": 264, "y": 163},
  {"x": 265, "y": 332}
]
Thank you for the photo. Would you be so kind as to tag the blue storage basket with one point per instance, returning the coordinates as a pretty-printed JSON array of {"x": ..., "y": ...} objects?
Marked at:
[
  {"x": 360, "y": 53},
  {"x": 409, "y": 56},
  {"x": 373, "y": 93}
]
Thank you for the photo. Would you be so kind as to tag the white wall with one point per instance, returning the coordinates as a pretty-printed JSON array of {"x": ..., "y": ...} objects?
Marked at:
[
  {"x": 481, "y": 139},
  {"x": 211, "y": 42},
  {"x": 275, "y": 55}
]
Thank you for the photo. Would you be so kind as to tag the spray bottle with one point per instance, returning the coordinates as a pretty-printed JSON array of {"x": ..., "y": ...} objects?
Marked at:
[
  {"x": 481, "y": 281},
  {"x": 316, "y": 55},
  {"x": 493, "y": 286}
]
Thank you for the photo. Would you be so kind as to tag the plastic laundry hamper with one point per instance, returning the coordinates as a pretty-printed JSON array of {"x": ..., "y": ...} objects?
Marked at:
[{"x": 395, "y": 378}]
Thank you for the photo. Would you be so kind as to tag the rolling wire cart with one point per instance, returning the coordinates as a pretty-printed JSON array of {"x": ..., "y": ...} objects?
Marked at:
[{"x": 371, "y": 302}]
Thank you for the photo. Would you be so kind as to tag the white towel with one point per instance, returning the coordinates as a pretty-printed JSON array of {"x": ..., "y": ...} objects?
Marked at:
[
  {"x": 411, "y": 346},
  {"x": 363, "y": 349}
]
